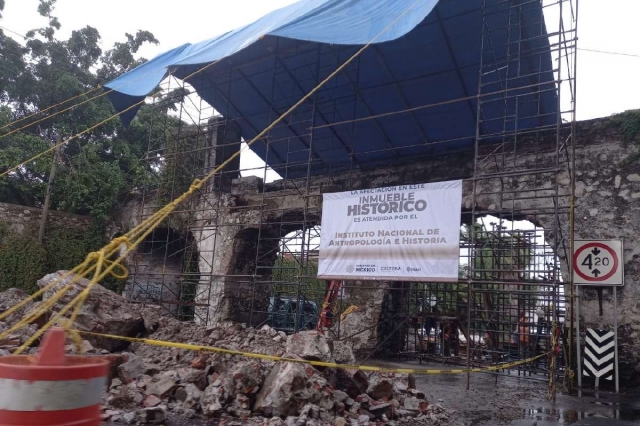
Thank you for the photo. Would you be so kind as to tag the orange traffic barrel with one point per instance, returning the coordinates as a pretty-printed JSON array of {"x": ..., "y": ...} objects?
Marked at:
[{"x": 51, "y": 389}]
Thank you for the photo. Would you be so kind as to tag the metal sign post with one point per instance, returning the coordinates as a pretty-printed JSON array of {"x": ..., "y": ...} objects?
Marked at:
[
  {"x": 615, "y": 336},
  {"x": 598, "y": 263},
  {"x": 577, "y": 304}
]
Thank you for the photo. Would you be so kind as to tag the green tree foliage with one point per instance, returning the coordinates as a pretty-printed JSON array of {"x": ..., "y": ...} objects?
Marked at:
[
  {"x": 22, "y": 260},
  {"x": 94, "y": 169},
  {"x": 497, "y": 256},
  {"x": 628, "y": 123},
  {"x": 286, "y": 271}
]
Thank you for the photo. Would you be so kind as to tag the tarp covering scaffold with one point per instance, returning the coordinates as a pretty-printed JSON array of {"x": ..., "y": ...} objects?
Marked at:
[{"x": 427, "y": 65}]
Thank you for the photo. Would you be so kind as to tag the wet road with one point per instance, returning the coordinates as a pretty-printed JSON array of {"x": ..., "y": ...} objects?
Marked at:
[{"x": 511, "y": 400}]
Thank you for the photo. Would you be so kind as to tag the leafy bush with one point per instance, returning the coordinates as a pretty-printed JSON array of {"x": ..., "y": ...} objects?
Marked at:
[{"x": 23, "y": 261}]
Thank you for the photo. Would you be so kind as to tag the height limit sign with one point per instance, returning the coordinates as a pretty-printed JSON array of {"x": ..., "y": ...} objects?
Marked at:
[{"x": 598, "y": 262}]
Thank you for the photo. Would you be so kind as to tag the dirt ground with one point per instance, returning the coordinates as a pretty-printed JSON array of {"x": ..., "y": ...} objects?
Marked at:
[{"x": 509, "y": 400}]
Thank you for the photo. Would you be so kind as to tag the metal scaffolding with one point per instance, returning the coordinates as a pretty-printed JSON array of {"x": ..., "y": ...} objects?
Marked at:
[{"x": 514, "y": 253}]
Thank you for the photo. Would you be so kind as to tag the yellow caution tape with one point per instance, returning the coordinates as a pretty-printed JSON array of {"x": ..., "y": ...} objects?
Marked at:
[{"x": 314, "y": 363}]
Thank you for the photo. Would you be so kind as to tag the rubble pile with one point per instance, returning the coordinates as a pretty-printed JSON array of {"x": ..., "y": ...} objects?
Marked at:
[
  {"x": 147, "y": 384},
  {"x": 228, "y": 335},
  {"x": 102, "y": 312},
  {"x": 153, "y": 382},
  {"x": 8, "y": 299}
]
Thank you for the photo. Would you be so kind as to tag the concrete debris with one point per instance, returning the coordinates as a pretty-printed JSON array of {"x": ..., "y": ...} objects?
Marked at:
[
  {"x": 381, "y": 386},
  {"x": 359, "y": 340},
  {"x": 151, "y": 385},
  {"x": 310, "y": 345},
  {"x": 11, "y": 298},
  {"x": 152, "y": 401},
  {"x": 151, "y": 415},
  {"x": 13, "y": 341},
  {"x": 189, "y": 395},
  {"x": 213, "y": 399},
  {"x": 129, "y": 418},
  {"x": 131, "y": 370},
  {"x": 162, "y": 387},
  {"x": 342, "y": 353},
  {"x": 353, "y": 382},
  {"x": 103, "y": 312},
  {"x": 286, "y": 390},
  {"x": 237, "y": 390},
  {"x": 198, "y": 378}
]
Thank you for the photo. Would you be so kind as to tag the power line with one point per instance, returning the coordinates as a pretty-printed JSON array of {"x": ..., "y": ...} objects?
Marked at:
[{"x": 610, "y": 53}]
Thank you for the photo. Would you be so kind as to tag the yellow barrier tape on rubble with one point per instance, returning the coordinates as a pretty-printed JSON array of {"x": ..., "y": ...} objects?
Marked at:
[{"x": 275, "y": 358}]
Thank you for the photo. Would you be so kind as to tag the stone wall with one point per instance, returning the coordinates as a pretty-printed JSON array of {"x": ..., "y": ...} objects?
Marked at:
[
  {"x": 607, "y": 200},
  {"x": 608, "y": 206},
  {"x": 20, "y": 218}
]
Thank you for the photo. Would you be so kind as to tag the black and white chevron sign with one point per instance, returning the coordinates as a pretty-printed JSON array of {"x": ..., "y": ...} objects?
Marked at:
[{"x": 599, "y": 354}]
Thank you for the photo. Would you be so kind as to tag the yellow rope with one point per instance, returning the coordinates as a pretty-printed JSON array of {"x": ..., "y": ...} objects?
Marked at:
[
  {"x": 99, "y": 259},
  {"x": 76, "y": 136},
  {"x": 49, "y": 108},
  {"x": 76, "y": 274},
  {"x": 552, "y": 390},
  {"x": 57, "y": 113},
  {"x": 32, "y": 297},
  {"x": 134, "y": 237}
]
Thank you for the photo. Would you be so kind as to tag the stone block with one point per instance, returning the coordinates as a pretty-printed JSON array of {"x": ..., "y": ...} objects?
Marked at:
[
  {"x": 131, "y": 370},
  {"x": 162, "y": 387}
]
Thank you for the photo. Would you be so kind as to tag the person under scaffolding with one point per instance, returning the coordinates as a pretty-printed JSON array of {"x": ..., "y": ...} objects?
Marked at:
[
  {"x": 450, "y": 336},
  {"x": 519, "y": 341},
  {"x": 523, "y": 336},
  {"x": 543, "y": 332},
  {"x": 487, "y": 344}
]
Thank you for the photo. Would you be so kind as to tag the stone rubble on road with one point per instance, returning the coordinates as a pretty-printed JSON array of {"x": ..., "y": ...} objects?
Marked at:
[
  {"x": 150, "y": 384},
  {"x": 240, "y": 391}
]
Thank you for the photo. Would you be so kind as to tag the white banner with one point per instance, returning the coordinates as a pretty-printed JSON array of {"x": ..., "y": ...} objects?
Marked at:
[{"x": 398, "y": 233}]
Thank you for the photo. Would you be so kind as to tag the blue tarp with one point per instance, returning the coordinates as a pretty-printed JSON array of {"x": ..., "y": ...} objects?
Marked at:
[{"x": 431, "y": 55}]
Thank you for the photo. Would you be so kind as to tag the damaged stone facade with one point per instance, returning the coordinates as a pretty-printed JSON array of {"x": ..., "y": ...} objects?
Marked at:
[{"x": 607, "y": 200}]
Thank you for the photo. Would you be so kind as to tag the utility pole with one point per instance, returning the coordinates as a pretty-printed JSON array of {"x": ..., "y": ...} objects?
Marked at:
[{"x": 45, "y": 208}]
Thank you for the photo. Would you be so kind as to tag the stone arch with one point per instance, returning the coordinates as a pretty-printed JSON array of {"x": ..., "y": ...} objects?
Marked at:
[
  {"x": 164, "y": 271},
  {"x": 246, "y": 286},
  {"x": 296, "y": 294}
]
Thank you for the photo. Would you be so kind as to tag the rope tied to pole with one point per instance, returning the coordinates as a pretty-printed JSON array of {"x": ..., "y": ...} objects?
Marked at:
[{"x": 553, "y": 356}]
